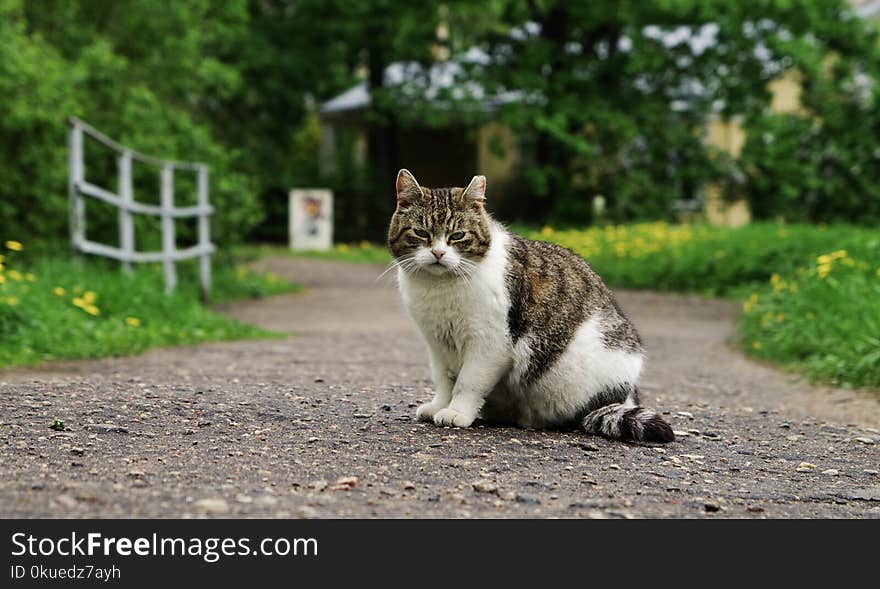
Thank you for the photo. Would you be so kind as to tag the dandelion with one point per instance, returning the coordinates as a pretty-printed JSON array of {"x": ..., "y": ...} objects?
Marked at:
[
  {"x": 15, "y": 275},
  {"x": 92, "y": 310},
  {"x": 14, "y": 245},
  {"x": 750, "y": 303},
  {"x": 30, "y": 277},
  {"x": 777, "y": 282},
  {"x": 58, "y": 291},
  {"x": 11, "y": 301},
  {"x": 78, "y": 302},
  {"x": 89, "y": 297},
  {"x": 132, "y": 321}
]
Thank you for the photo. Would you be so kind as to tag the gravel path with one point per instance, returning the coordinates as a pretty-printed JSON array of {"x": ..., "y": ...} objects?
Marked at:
[{"x": 321, "y": 425}]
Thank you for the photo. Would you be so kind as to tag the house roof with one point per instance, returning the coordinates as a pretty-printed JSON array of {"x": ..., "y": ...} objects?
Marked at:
[{"x": 417, "y": 81}]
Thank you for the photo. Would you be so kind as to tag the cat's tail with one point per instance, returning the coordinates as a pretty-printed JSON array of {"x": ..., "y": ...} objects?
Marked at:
[{"x": 628, "y": 422}]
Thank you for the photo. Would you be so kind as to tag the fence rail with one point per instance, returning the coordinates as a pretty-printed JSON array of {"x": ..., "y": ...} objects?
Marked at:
[{"x": 79, "y": 188}]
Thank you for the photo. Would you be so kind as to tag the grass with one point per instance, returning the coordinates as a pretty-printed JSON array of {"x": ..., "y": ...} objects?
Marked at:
[
  {"x": 358, "y": 253},
  {"x": 811, "y": 294},
  {"x": 52, "y": 308},
  {"x": 806, "y": 305}
]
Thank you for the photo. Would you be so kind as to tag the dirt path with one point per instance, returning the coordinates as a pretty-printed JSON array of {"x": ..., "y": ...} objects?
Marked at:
[{"x": 321, "y": 425}]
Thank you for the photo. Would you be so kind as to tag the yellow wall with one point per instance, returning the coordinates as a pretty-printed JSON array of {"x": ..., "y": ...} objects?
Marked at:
[
  {"x": 497, "y": 168},
  {"x": 730, "y": 137}
]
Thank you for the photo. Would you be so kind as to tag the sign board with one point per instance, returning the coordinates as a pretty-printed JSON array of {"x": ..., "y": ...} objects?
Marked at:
[{"x": 311, "y": 219}]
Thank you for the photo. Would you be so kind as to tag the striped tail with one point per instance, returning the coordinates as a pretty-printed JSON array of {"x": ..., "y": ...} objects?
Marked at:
[{"x": 628, "y": 422}]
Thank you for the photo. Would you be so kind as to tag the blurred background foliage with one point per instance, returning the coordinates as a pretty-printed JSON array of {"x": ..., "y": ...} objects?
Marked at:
[{"x": 610, "y": 97}]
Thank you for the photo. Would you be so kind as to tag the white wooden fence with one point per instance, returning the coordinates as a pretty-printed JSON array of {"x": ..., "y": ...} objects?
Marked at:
[{"x": 79, "y": 188}]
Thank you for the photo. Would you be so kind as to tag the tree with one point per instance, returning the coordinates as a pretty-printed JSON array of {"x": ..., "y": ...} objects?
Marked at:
[{"x": 615, "y": 92}]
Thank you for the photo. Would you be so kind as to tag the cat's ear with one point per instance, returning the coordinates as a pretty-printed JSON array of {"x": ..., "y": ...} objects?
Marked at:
[
  {"x": 476, "y": 191},
  {"x": 407, "y": 188}
]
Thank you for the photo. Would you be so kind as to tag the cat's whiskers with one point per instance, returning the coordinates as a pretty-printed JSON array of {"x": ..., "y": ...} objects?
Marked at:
[{"x": 398, "y": 263}]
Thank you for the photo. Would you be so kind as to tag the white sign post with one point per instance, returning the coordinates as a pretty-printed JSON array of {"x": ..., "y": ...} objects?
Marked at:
[{"x": 311, "y": 219}]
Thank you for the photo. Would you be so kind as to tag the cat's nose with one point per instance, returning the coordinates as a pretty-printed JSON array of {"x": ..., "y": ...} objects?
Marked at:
[{"x": 438, "y": 254}]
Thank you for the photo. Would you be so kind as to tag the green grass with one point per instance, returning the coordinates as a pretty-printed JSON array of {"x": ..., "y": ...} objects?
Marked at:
[
  {"x": 805, "y": 307},
  {"x": 823, "y": 323},
  {"x": 358, "y": 253},
  {"x": 54, "y": 308}
]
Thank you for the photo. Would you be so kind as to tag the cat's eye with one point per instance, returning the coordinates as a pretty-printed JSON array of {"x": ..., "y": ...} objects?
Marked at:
[
  {"x": 456, "y": 236},
  {"x": 422, "y": 233}
]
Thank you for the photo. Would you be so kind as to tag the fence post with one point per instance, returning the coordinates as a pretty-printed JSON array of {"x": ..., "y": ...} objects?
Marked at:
[
  {"x": 204, "y": 233},
  {"x": 126, "y": 224},
  {"x": 168, "y": 241},
  {"x": 77, "y": 172}
]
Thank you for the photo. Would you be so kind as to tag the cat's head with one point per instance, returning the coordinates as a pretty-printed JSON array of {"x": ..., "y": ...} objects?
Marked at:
[{"x": 439, "y": 231}]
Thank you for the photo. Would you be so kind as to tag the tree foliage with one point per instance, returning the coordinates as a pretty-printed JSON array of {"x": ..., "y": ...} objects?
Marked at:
[
  {"x": 616, "y": 94},
  {"x": 608, "y": 98}
]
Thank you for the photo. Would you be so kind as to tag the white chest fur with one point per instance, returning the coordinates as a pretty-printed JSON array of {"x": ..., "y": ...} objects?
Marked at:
[{"x": 456, "y": 315}]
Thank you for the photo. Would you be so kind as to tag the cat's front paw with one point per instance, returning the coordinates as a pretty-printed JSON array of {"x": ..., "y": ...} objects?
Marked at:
[
  {"x": 427, "y": 411},
  {"x": 451, "y": 417}
]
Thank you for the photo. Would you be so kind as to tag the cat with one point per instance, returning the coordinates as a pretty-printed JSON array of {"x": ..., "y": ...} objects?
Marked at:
[{"x": 518, "y": 331}]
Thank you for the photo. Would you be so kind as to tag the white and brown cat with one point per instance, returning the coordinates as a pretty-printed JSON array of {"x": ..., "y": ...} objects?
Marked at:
[{"x": 518, "y": 331}]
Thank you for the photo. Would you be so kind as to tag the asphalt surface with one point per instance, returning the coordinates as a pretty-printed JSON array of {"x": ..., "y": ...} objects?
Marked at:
[{"x": 321, "y": 424}]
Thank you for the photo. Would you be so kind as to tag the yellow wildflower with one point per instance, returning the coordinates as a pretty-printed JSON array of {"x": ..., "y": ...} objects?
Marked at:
[
  {"x": 89, "y": 297},
  {"x": 11, "y": 301},
  {"x": 78, "y": 302},
  {"x": 14, "y": 245},
  {"x": 15, "y": 274},
  {"x": 30, "y": 277},
  {"x": 132, "y": 321},
  {"x": 92, "y": 310},
  {"x": 750, "y": 303},
  {"x": 58, "y": 291}
]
